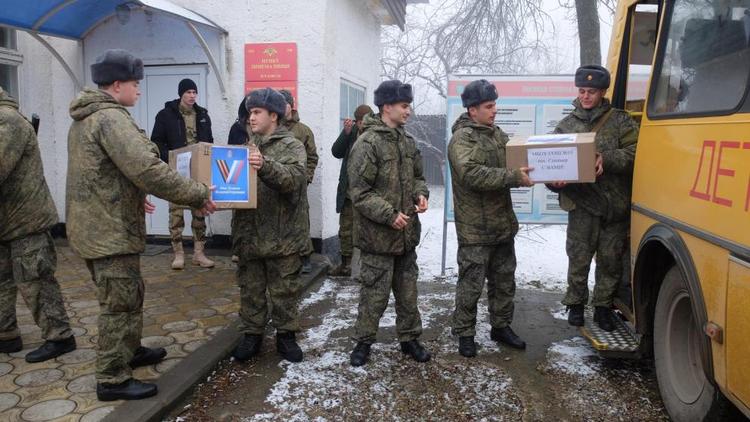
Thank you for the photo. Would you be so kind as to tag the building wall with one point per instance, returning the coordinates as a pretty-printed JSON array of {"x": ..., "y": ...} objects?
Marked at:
[{"x": 335, "y": 38}]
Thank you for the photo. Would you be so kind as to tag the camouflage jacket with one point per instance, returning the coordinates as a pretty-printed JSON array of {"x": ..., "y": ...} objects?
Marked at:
[
  {"x": 26, "y": 206},
  {"x": 112, "y": 165},
  {"x": 385, "y": 177},
  {"x": 481, "y": 184},
  {"x": 278, "y": 227},
  {"x": 305, "y": 135},
  {"x": 609, "y": 196}
]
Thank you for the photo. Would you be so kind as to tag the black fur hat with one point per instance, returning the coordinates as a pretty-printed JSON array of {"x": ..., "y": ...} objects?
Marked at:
[
  {"x": 592, "y": 76},
  {"x": 394, "y": 91},
  {"x": 116, "y": 65},
  {"x": 287, "y": 96},
  {"x": 478, "y": 92},
  {"x": 267, "y": 98}
]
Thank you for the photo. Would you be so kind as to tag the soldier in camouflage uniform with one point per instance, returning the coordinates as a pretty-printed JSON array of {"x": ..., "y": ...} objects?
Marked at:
[
  {"x": 27, "y": 253},
  {"x": 269, "y": 240},
  {"x": 112, "y": 165},
  {"x": 485, "y": 221},
  {"x": 305, "y": 135},
  {"x": 341, "y": 149},
  {"x": 388, "y": 190},
  {"x": 598, "y": 213}
]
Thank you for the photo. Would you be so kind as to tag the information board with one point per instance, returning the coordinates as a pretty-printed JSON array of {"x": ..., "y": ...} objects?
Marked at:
[{"x": 528, "y": 105}]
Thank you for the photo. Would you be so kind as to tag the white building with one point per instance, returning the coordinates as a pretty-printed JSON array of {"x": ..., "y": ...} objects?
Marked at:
[{"x": 47, "y": 46}]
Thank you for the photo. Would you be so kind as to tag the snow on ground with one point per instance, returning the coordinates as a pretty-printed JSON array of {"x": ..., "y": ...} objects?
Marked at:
[
  {"x": 325, "y": 387},
  {"x": 574, "y": 356},
  {"x": 540, "y": 250}
]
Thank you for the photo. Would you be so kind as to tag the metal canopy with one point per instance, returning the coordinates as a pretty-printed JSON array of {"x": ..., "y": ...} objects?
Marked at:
[{"x": 75, "y": 19}]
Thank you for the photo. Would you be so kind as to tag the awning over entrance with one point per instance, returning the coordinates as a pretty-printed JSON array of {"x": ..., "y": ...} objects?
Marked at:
[{"x": 74, "y": 19}]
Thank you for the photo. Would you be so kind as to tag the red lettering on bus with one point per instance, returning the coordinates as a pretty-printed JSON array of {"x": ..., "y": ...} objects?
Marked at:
[
  {"x": 706, "y": 196},
  {"x": 723, "y": 172}
]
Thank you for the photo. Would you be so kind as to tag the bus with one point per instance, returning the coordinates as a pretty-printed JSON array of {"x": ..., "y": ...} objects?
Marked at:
[{"x": 682, "y": 69}]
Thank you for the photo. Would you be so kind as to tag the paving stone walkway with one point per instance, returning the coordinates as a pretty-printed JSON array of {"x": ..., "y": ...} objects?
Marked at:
[{"x": 182, "y": 310}]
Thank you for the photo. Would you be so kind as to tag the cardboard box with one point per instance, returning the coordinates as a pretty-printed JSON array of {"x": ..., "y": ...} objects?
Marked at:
[
  {"x": 569, "y": 157},
  {"x": 223, "y": 166}
]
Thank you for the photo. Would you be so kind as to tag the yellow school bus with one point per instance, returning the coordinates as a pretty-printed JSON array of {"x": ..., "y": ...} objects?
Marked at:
[{"x": 682, "y": 68}]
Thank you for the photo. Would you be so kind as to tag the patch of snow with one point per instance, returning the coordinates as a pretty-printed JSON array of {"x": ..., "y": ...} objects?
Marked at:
[
  {"x": 574, "y": 356},
  {"x": 324, "y": 292},
  {"x": 559, "y": 312}
]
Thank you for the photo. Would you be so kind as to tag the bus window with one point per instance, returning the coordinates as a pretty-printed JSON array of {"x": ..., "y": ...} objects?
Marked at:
[
  {"x": 704, "y": 62},
  {"x": 642, "y": 45}
]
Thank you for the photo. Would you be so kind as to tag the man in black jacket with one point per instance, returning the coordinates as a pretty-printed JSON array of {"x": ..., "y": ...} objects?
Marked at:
[{"x": 180, "y": 123}]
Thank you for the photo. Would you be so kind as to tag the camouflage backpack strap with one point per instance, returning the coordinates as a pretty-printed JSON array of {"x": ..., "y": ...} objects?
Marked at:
[{"x": 602, "y": 121}]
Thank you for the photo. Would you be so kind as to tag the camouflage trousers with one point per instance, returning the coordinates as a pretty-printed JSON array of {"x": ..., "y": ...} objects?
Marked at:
[
  {"x": 120, "y": 292},
  {"x": 497, "y": 264},
  {"x": 589, "y": 235},
  {"x": 379, "y": 274},
  {"x": 346, "y": 232},
  {"x": 279, "y": 279},
  {"x": 28, "y": 265},
  {"x": 177, "y": 224}
]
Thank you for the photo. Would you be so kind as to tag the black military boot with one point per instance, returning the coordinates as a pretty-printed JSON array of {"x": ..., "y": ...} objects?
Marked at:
[
  {"x": 360, "y": 354},
  {"x": 51, "y": 349},
  {"x": 145, "y": 356},
  {"x": 287, "y": 347},
  {"x": 507, "y": 336},
  {"x": 575, "y": 315},
  {"x": 249, "y": 346},
  {"x": 467, "y": 347},
  {"x": 306, "y": 265},
  {"x": 415, "y": 350},
  {"x": 131, "y": 389},
  {"x": 604, "y": 318},
  {"x": 11, "y": 346}
]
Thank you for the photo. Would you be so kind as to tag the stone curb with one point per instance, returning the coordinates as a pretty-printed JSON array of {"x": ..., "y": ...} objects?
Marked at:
[{"x": 178, "y": 382}]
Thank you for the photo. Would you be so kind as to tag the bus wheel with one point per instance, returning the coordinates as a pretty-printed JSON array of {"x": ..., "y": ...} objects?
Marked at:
[{"x": 686, "y": 392}]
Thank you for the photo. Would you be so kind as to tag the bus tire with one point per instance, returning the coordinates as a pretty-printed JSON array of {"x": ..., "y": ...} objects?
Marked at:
[{"x": 687, "y": 393}]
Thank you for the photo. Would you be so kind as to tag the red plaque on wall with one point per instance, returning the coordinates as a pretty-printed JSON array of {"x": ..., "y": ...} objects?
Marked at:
[{"x": 271, "y": 65}]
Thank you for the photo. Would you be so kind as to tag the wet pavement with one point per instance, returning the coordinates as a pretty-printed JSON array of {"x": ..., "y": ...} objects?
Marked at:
[
  {"x": 182, "y": 310},
  {"x": 558, "y": 377}
]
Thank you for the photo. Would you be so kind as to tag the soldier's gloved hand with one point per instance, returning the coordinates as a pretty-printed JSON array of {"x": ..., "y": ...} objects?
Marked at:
[
  {"x": 421, "y": 205},
  {"x": 400, "y": 222},
  {"x": 525, "y": 179},
  {"x": 599, "y": 165}
]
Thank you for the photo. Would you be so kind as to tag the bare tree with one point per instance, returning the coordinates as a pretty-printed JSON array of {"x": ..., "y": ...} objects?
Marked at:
[
  {"x": 587, "y": 17},
  {"x": 476, "y": 36}
]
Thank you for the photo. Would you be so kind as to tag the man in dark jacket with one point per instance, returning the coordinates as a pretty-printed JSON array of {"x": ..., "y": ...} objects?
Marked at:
[
  {"x": 269, "y": 239},
  {"x": 340, "y": 149},
  {"x": 598, "y": 213},
  {"x": 180, "y": 123},
  {"x": 388, "y": 191},
  {"x": 485, "y": 222}
]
